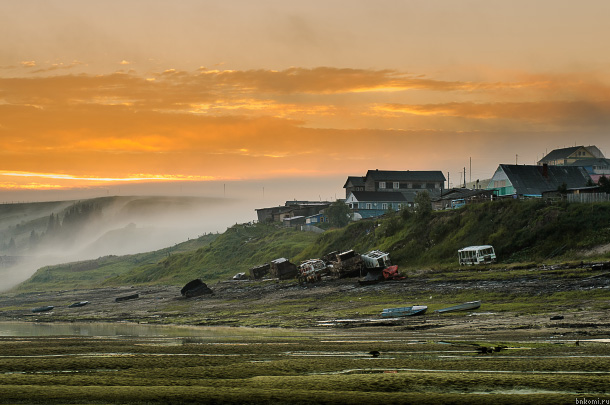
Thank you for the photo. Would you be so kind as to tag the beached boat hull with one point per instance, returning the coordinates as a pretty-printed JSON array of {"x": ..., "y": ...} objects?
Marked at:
[
  {"x": 404, "y": 311},
  {"x": 467, "y": 306}
]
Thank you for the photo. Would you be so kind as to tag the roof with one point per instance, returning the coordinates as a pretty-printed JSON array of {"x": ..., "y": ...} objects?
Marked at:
[
  {"x": 390, "y": 175},
  {"x": 456, "y": 193},
  {"x": 357, "y": 181},
  {"x": 469, "y": 248},
  {"x": 591, "y": 162},
  {"x": 533, "y": 180},
  {"x": 563, "y": 153},
  {"x": 379, "y": 196}
]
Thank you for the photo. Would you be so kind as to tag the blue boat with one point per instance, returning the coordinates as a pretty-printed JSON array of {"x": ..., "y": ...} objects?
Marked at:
[{"x": 404, "y": 311}]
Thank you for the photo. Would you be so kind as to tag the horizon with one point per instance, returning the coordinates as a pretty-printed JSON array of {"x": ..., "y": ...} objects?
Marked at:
[{"x": 192, "y": 96}]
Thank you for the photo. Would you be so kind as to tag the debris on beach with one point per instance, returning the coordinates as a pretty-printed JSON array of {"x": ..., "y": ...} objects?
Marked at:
[
  {"x": 195, "y": 288},
  {"x": 127, "y": 298}
]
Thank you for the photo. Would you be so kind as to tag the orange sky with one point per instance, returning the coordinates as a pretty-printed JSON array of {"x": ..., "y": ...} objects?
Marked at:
[{"x": 119, "y": 92}]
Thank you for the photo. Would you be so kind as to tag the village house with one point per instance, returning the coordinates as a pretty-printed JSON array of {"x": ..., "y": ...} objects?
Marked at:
[
  {"x": 531, "y": 181},
  {"x": 291, "y": 209},
  {"x": 369, "y": 204},
  {"x": 568, "y": 156},
  {"x": 380, "y": 190}
]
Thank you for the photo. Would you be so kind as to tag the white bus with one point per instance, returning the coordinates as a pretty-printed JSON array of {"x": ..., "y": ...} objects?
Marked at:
[{"x": 477, "y": 255}]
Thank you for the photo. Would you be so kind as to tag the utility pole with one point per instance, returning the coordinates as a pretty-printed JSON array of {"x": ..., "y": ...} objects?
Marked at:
[
  {"x": 448, "y": 184},
  {"x": 464, "y": 176},
  {"x": 516, "y": 159}
]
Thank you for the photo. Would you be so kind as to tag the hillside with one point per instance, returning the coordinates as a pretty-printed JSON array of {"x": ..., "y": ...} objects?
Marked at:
[{"x": 521, "y": 232}]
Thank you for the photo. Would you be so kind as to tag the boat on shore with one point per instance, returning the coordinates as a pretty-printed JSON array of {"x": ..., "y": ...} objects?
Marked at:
[
  {"x": 43, "y": 309},
  {"x": 78, "y": 304},
  {"x": 467, "y": 306},
  {"x": 404, "y": 311}
]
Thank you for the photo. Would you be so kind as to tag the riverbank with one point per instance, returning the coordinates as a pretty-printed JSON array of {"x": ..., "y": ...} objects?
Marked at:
[{"x": 570, "y": 301}]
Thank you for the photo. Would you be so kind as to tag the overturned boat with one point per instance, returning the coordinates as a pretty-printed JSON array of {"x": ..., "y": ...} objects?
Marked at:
[
  {"x": 467, "y": 306},
  {"x": 78, "y": 304},
  {"x": 195, "y": 288},
  {"x": 404, "y": 311},
  {"x": 43, "y": 309}
]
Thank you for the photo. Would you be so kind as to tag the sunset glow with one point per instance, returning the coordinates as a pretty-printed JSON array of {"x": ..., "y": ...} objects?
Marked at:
[{"x": 223, "y": 91}]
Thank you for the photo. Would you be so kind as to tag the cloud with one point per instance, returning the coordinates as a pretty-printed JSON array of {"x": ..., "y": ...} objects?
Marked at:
[
  {"x": 228, "y": 124},
  {"x": 551, "y": 112}
]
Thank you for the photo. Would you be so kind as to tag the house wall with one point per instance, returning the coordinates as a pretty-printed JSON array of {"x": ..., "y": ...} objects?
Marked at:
[
  {"x": 501, "y": 183},
  {"x": 388, "y": 185}
]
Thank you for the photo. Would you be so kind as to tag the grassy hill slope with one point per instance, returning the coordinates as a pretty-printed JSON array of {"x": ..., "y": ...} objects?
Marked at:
[{"x": 521, "y": 231}]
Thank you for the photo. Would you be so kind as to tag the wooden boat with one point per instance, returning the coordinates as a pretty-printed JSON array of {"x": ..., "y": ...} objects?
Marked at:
[
  {"x": 404, "y": 311},
  {"x": 127, "y": 297},
  {"x": 467, "y": 306},
  {"x": 43, "y": 309},
  {"x": 78, "y": 304}
]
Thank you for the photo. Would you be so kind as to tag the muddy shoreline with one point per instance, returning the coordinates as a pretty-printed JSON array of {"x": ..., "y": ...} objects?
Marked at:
[{"x": 290, "y": 304}]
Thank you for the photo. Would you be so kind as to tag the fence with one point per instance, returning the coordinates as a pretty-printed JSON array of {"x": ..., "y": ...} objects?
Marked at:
[{"x": 588, "y": 197}]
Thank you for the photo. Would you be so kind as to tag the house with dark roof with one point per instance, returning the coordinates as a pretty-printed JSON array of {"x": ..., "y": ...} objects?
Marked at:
[
  {"x": 353, "y": 183},
  {"x": 532, "y": 181},
  {"x": 391, "y": 182},
  {"x": 369, "y": 204},
  {"x": 566, "y": 156},
  {"x": 404, "y": 181},
  {"x": 291, "y": 209},
  {"x": 597, "y": 166}
]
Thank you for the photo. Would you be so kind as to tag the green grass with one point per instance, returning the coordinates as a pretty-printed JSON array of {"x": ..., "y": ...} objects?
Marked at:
[
  {"x": 525, "y": 235},
  {"x": 294, "y": 367}
]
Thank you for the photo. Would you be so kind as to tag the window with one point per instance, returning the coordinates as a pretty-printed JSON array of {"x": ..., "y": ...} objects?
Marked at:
[
  {"x": 396, "y": 185},
  {"x": 369, "y": 206},
  {"x": 384, "y": 206},
  {"x": 382, "y": 184}
]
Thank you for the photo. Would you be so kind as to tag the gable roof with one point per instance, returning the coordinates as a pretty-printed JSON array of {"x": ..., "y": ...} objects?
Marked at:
[
  {"x": 379, "y": 196},
  {"x": 562, "y": 153},
  {"x": 408, "y": 175},
  {"x": 533, "y": 180},
  {"x": 591, "y": 162},
  {"x": 357, "y": 181}
]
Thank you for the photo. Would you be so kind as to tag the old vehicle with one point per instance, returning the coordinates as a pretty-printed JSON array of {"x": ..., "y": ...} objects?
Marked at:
[
  {"x": 376, "y": 259},
  {"x": 467, "y": 306},
  {"x": 258, "y": 272},
  {"x": 283, "y": 269},
  {"x": 404, "y": 311},
  {"x": 312, "y": 270},
  {"x": 476, "y": 255},
  {"x": 347, "y": 264}
]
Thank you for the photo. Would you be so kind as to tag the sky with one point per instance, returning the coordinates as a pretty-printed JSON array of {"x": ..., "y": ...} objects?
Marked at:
[{"x": 289, "y": 98}]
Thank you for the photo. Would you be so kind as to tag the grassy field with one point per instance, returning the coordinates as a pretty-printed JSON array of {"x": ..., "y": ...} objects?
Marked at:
[{"x": 298, "y": 366}]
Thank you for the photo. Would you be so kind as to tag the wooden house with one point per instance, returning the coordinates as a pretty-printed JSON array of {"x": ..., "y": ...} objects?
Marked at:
[{"x": 532, "y": 181}]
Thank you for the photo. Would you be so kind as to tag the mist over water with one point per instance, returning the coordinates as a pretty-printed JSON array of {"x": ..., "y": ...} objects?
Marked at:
[
  {"x": 159, "y": 216},
  {"x": 126, "y": 225}
]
